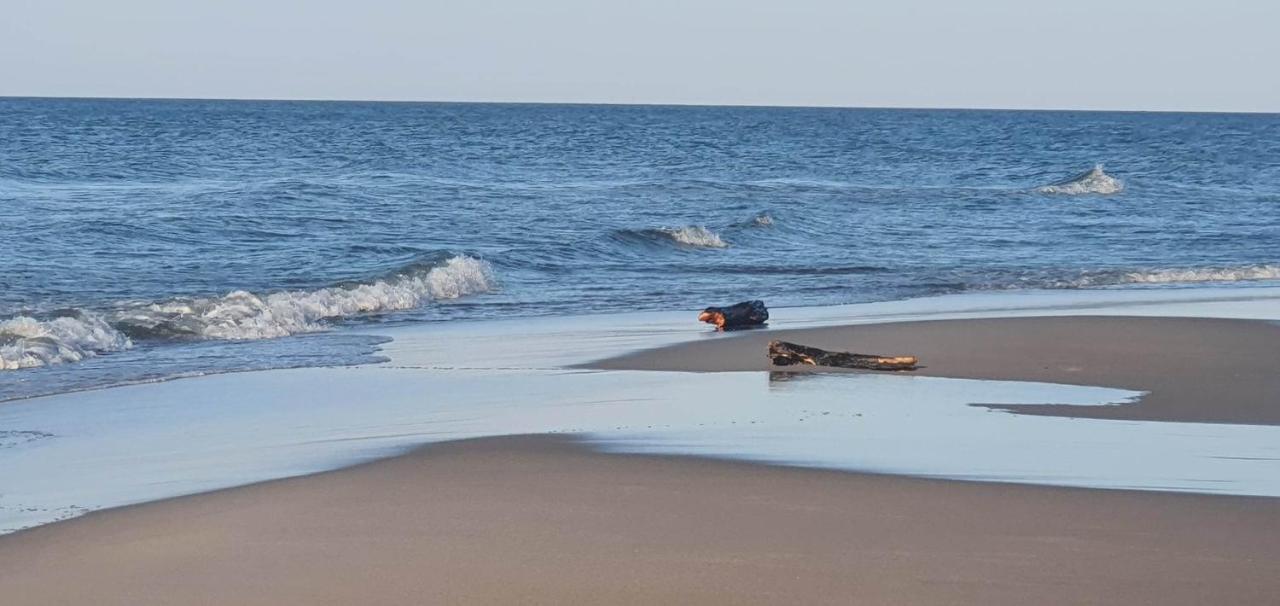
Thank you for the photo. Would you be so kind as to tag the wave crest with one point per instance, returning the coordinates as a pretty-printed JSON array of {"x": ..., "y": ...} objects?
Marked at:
[
  {"x": 27, "y": 342},
  {"x": 1178, "y": 276},
  {"x": 1093, "y": 181},
  {"x": 694, "y": 235},
  {"x": 242, "y": 315},
  {"x": 689, "y": 236}
]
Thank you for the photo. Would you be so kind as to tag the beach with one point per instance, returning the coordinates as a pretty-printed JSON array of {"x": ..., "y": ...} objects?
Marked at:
[
  {"x": 553, "y": 519},
  {"x": 541, "y": 520},
  {"x": 1196, "y": 369},
  {"x": 299, "y": 352}
]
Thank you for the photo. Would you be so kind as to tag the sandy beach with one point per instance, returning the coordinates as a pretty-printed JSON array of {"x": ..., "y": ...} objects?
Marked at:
[
  {"x": 541, "y": 520},
  {"x": 1196, "y": 369},
  {"x": 544, "y": 519}
]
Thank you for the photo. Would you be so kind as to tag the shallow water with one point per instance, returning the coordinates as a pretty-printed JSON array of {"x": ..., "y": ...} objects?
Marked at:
[
  {"x": 66, "y": 454},
  {"x": 136, "y": 233}
]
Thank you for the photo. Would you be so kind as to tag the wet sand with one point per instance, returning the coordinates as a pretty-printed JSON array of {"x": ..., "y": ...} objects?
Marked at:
[
  {"x": 1196, "y": 369},
  {"x": 547, "y": 520},
  {"x": 541, "y": 520}
]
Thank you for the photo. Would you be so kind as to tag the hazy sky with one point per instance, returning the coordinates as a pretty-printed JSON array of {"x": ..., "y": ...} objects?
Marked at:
[{"x": 1087, "y": 54}]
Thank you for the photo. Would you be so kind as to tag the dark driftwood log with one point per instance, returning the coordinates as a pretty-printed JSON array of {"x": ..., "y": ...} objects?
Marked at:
[
  {"x": 789, "y": 354},
  {"x": 741, "y": 315}
]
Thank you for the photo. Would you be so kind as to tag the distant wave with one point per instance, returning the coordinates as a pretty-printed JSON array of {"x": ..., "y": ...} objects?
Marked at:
[
  {"x": 1177, "y": 276},
  {"x": 27, "y": 342},
  {"x": 694, "y": 235},
  {"x": 1092, "y": 181},
  {"x": 689, "y": 236},
  {"x": 758, "y": 220}
]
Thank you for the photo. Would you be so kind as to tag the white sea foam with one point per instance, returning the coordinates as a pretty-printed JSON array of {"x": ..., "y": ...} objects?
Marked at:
[
  {"x": 694, "y": 235},
  {"x": 242, "y": 315},
  {"x": 1175, "y": 276},
  {"x": 762, "y": 220},
  {"x": 27, "y": 342},
  {"x": 1094, "y": 181}
]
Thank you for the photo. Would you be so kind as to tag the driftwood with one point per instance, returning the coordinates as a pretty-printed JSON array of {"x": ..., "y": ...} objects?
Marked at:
[
  {"x": 789, "y": 354},
  {"x": 742, "y": 315}
]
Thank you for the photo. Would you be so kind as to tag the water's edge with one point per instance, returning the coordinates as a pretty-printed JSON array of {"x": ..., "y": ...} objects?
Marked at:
[{"x": 462, "y": 380}]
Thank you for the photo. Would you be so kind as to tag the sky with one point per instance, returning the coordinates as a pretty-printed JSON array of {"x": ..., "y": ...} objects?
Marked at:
[{"x": 1085, "y": 54}]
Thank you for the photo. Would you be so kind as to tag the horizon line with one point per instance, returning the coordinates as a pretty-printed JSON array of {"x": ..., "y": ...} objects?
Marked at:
[{"x": 636, "y": 104}]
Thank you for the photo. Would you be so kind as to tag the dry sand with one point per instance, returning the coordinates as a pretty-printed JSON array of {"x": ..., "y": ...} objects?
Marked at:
[
  {"x": 1207, "y": 370},
  {"x": 536, "y": 520}
]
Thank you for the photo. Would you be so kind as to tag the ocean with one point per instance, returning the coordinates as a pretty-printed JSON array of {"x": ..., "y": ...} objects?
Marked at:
[{"x": 152, "y": 239}]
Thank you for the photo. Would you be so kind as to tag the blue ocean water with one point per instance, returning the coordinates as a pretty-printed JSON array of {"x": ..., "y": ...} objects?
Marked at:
[{"x": 144, "y": 239}]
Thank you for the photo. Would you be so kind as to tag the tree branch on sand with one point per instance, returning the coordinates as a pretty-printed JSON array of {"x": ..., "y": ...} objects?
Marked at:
[{"x": 790, "y": 354}]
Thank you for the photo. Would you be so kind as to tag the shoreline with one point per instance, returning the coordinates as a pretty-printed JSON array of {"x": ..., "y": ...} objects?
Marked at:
[
  {"x": 1226, "y": 302},
  {"x": 544, "y": 519},
  {"x": 554, "y": 518},
  {"x": 455, "y": 381}
]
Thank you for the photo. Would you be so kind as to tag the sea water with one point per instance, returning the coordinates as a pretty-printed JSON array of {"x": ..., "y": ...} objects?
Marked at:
[
  {"x": 413, "y": 273},
  {"x": 149, "y": 239}
]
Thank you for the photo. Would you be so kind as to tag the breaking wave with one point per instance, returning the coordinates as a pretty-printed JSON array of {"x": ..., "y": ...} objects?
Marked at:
[
  {"x": 689, "y": 236},
  {"x": 242, "y": 315},
  {"x": 1093, "y": 181},
  {"x": 1177, "y": 276},
  {"x": 694, "y": 235},
  {"x": 27, "y": 342}
]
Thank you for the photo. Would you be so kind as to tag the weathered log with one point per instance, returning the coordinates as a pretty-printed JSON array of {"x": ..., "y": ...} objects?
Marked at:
[
  {"x": 789, "y": 354},
  {"x": 741, "y": 315}
]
